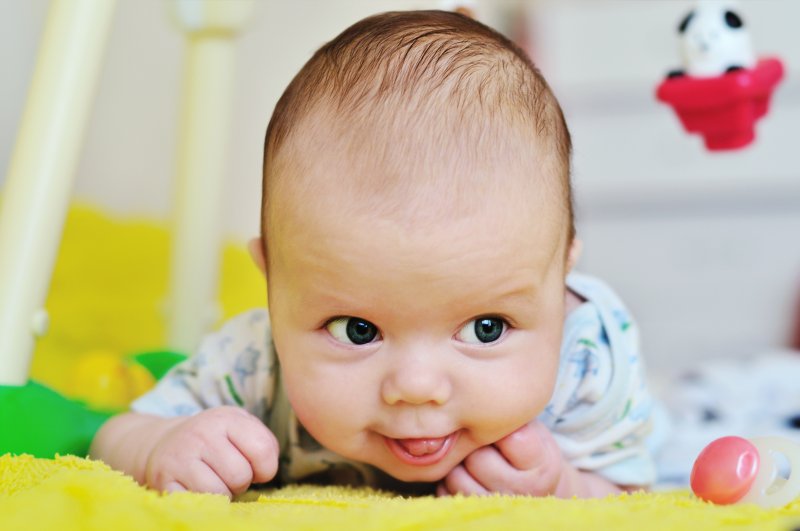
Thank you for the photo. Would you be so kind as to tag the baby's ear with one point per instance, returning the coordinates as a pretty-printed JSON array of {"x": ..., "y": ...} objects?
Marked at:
[
  {"x": 574, "y": 253},
  {"x": 256, "y": 248}
]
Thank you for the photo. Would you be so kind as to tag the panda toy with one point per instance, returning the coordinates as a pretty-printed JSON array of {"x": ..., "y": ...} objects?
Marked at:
[
  {"x": 713, "y": 41},
  {"x": 722, "y": 89}
]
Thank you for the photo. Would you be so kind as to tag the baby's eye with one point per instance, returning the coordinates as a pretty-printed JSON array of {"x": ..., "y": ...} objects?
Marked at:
[
  {"x": 353, "y": 330},
  {"x": 482, "y": 330}
]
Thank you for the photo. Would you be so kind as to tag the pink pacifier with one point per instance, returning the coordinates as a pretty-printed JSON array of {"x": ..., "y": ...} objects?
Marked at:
[{"x": 737, "y": 470}]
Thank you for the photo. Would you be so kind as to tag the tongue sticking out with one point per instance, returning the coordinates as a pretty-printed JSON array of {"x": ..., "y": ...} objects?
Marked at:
[{"x": 420, "y": 447}]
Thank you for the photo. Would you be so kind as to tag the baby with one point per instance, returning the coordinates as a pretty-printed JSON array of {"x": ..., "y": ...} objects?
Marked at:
[{"x": 423, "y": 327}]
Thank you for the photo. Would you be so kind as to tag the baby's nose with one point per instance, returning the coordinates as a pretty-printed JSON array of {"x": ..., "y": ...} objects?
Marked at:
[{"x": 416, "y": 384}]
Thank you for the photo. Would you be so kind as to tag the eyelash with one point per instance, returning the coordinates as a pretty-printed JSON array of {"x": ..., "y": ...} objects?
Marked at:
[
  {"x": 349, "y": 324},
  {"x": 504, "y": 323}
]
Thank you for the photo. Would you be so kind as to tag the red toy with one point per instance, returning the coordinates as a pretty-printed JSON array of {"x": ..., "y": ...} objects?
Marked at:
[
  {"x": 733, "y": 469},
  {"x": 723, "y": 109}
]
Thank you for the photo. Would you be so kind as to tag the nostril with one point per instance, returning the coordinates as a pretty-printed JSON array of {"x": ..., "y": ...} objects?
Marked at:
[{"x": 794, "y": 422}]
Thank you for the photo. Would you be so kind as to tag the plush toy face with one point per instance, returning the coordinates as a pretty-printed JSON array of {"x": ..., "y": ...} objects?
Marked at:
[{"x": 714, "y": 40}]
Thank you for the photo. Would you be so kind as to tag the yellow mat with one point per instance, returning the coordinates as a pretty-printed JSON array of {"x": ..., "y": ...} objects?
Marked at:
[{"x": 71, "y": 493}]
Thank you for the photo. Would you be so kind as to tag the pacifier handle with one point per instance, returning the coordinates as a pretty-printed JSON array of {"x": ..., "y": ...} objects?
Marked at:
[{"x": 768, "y": 489}]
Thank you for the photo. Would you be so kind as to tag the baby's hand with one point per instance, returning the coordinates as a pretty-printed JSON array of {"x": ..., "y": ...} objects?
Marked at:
[
  {"x": 220, "y": 450},
  {"x": 527, "y": 461}
]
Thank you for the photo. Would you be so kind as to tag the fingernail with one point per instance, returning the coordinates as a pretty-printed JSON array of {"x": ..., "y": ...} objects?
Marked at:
[{"x": 173, "y": 487}]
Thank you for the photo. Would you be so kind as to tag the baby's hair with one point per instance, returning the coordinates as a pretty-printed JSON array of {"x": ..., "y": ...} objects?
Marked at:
[{"x": 401, "y": 73}]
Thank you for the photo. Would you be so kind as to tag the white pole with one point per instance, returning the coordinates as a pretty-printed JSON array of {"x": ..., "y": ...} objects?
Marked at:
[
  {"x": 42, "y": 170},
  {"x": 210, "y": 27}
]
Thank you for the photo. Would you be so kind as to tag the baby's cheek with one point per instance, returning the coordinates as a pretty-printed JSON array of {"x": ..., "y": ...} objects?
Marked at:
[
  {"x": 514, "y": 394},
  {"x": 324, "y": 401}
]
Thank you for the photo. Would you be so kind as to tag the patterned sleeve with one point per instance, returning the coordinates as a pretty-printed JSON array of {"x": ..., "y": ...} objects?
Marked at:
[
  {"x": 232, "y": 367},
  {"x": 601, "y": 410}
]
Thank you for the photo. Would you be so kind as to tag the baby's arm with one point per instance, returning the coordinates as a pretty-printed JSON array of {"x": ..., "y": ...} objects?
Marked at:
[
  {"x": 528, "y": 462},
  {"x": 220, "y": 450},
  {"x": 200, "y": 428}
]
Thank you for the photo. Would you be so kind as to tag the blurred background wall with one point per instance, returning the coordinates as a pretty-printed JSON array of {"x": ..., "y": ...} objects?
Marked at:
[{"x": 705, "y": 248}]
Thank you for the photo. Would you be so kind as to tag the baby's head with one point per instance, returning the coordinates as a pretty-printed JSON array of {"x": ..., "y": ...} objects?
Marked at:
[{"x": 417, "y": 229}]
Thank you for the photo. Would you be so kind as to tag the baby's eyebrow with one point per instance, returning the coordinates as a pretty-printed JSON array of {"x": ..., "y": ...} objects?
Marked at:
[{"x": 518, "y": 294}]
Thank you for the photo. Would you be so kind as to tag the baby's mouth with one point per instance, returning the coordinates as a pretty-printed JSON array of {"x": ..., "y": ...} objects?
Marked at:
[{"x": 422, "y": 451}]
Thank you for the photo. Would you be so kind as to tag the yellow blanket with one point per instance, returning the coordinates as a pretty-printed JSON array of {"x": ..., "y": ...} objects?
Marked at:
[{"x": 72, "y": 493}]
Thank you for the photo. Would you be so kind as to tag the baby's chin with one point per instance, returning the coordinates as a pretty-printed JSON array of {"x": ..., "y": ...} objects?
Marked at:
[{"x": 408, "y": 474}]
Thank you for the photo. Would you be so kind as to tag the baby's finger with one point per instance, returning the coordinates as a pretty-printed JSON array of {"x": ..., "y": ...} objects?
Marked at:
[
  {"x": 491, "y": 470},
  {"x": 441, "y": 491},
  {"x": 200, "y": 477},
  {"x": 229, "y": 465},
  {"x": 258, "y": 445},
  {"x": 459, "y": 481},
  {"x": 532, "y": 446}
]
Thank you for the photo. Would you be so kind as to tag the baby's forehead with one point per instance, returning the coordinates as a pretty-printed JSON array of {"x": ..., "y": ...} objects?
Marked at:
[
  {"x": 346, "y": 219},
  {"x": 414, "y": 177}
]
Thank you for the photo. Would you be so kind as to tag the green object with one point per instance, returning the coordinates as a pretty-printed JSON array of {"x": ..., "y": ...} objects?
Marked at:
[
  {"x": 158, "y": 362},
  {"x": 36, "y": 420}
]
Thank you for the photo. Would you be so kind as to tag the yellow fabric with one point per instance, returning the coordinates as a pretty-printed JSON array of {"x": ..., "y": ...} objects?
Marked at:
[
  {"x": 108, "y": 294},
  {"x": 71, "y": 493}
]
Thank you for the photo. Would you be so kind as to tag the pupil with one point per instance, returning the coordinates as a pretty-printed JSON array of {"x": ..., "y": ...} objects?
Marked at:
[
  {"x": 488, "y": 329},
  {"x": 360, "y": 332}
]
